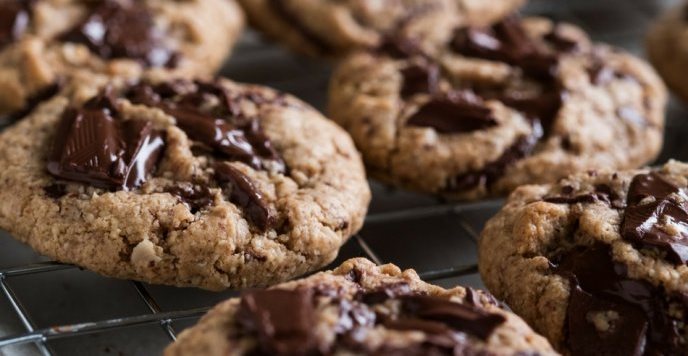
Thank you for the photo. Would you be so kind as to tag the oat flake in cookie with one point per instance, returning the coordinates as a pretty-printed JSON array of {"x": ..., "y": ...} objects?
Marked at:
[
  {"x": 596, "y": 262},
  {"x": 187, "y": 183},
  {"x": 360, "y": 309},
  {"x": 521, "y": 101},
  {"x": 43, "y": 42}
]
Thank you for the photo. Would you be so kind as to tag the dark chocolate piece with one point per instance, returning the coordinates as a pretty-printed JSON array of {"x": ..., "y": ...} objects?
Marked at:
[
  {"x": 602, "y": 193},
  {"x": 196, "y": 197},
  {"x": 420, "y": 79},
  {"x": 457, "y": 111},
  {"x": 560, "y": 42},
  {"x": 282, "y": 320},
  {"x": 56, "y": 190},
  {"x": 399, "y": 47},
  {"x": 245, "y": 195},
  {"x": 14, "y": 20},
  {"x": 31, "y": 103},
  {"x": 636, "y": 312},
  {"x": 642, "y": 218},
  {"x": 122, "y": 29},
  {"x": 387, "y": 292},
  {"x": 94, "y": 146},
  {"x": 314, "y": 37}
]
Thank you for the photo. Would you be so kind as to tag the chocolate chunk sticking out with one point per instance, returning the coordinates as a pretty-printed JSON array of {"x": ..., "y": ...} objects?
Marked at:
[
  {"x": 456, "y": 112},
  {"x": 14, "y": 20},
  {"x": 291, "y": 17},
  {"x": 543, "y": 107},
  {"x": 196, "y": 197},
  {"x": 384, "y": 293},
  {"x": 420, "y": 79},
  {"x": 94, "y": 146},
  {"x": 42, "y": 95},
  {"x": 657, "y": 216},
  {"x": 494, "y": 170},
  {"x": 282, "y": 320},
  {"x": 400, "y": 47},
  {"x": 208, "y": 115},
  {"x": 245, "y": 195},
  {"x": 601, "y": 193},
  {"x": 611, "y": 314},
  {"x": 122, "y": 29}
]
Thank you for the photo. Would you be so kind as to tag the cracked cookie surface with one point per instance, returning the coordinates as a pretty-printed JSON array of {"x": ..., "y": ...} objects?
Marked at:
[
  {"x": 179, "y": 182},
  {"x": 332, "y": 28},
  {"x": 596, "y": 262},
  {"x": 522, "y": 101},
  {"x": 667, "y": 48},
  {"x": 44, "y": 41},
  {"x": 360, "y": 309}
]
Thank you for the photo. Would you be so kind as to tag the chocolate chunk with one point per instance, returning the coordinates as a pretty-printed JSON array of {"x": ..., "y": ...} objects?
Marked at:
[
  {"x": 14, "y": 20},
  {"x": 194, "y": 196},
  {"x": 384, "y": 293},
  {"x": 652, "y": 201},
  {"x": 458, "y": 111},
  {"x": 221, "y": 127},
  {"x": 291, "y": 17},
  {"x": 122, "y": 29},
  {"x": 543, "y": 107},
  {"x": 245, "y": 195},
  {"x": 560, "y": 42},
  {"x": 400, "y": 47},
  {"x": 282, "y": 320},
  {"x": 32, "y": 102},
  {"x": 94, "y": 145},
  {"x": 601, "y": 193},
  {"x": 492, "y": 171},
  {"x": 420, "y": 79},
  {"x": 633, "y": 314},
  {"x": 55, "y": 190}
]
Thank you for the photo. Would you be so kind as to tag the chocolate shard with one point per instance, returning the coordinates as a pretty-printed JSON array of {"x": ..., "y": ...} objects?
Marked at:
[
  {"x": 122, "y": 29},
  {"x": 196, "y": 197},
  {"x": 282, "y": 320},
  {"x": 384, "y": 293},
  {"x": 601, "y": 193},
  {"x": 14, "y": 20},
  {"x": 245, "y": 195},
  {"x": 94, "y": 146},
  {"x": 611, "y": 314},
  {"x": 656, "y": 217},
  {"x": 420, "y": 79},
  {"x": 455, "y": 112},
  {"x": 221, "y": 128}
]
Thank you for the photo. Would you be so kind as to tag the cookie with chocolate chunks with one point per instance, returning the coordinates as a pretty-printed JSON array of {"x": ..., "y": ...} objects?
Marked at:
[
  {"x": 329, "y": 28},
  {"x": 520, "y": 101},
  {"x": 43, "y": 42},
  {"x": 597, "y": 262},
  {"x": 181, "y": 182},
  {"x": 360, "y": 309},
  {"x": 665, "y": 48}
]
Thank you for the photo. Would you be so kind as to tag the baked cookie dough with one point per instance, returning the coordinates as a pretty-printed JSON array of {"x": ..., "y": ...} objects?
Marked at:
[
  {"x": 42, "y": 42},
  {"x": 521, "y": 101},
  {"x": 331, "y": 28},
  {"x": 596, "y": 262},
  {"x": 667, "y": 48},
  {"x": 360, "y": 309},
  {"x": 179, "y": 182}
]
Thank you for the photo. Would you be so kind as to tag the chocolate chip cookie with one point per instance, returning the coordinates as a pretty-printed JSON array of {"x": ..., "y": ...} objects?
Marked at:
[
  {"x": 189, "y": 183},
  {"x": 521, "y": 101},
  {"x": 45, "y": 41},
  {"x": 667, "y": 48},
  {"x": 360, "y": 309},
  {"x": 332, "y": 28},
  {"x": 596, "y": 262}
]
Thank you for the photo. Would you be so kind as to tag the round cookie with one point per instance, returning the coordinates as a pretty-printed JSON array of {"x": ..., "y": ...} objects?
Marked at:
[
  {"x": 360, "y": 309},
  {"x": 332, "y": 28},
  {"x": 44, "y": 41},
  {"x": 596, "y": 262},
  {"x": 186, "y": 183},
  {"x": 523, "y": 101},
  {"x": 667, "y": 48}
]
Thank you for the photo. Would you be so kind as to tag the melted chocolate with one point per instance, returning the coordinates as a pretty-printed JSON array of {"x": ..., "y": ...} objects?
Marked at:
[
  {"x": 314, "y": 37},
  {"x": 32, "y": 102},
  {"x": 194, "y": 196},
  {"x": 94, "y": 145},
  {"x": 14, "y": 20},
  {"x": 245, "y": 195},
  {"x": 635, "y": 310},
  {"x": 221, "y": 127},
  {"x": 122, "y": 29},
  {"x": 651, "y": 202},
  {"x": 458, "y": 111},
  {"x": 420, "y": 78}
]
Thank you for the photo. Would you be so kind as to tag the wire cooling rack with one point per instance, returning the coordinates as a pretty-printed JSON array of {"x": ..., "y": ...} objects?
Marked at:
[{"x": 47, "y": 308}]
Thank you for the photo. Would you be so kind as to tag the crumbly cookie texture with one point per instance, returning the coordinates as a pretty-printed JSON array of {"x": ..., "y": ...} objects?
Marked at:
[
  {"x": 332, "y": 28},
  {"x": 188, "y": 183},
  {"x": 523, "y": 101},
  {"x": 596, "y": 262},
  {"x": 667, "y": 48},
  {"x": 360, "y": 309},
  {"x": 43, "y": 42}
]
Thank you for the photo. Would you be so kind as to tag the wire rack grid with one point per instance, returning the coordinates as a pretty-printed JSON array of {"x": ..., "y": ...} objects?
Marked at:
[{"x": 48, "y": 308}]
